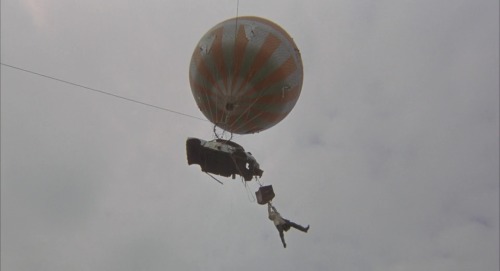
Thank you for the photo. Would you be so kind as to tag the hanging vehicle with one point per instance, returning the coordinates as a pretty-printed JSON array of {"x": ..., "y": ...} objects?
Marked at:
[{"x": 222, "y": 157}]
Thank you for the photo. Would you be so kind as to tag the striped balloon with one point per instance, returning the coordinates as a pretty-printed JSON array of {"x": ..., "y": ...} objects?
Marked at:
[{"x": 246, "y": 74}]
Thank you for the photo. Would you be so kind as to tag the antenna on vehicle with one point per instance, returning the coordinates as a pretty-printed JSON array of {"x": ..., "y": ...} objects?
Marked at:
[{"x": 214, "y": 178}]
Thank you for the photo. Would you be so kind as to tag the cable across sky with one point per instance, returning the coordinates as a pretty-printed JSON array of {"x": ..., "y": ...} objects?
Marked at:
[{"x": 101, "y": 91}]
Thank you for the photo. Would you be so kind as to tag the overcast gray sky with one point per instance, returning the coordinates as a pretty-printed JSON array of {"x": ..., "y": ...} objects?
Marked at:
[{"x": 391, "y": 153}]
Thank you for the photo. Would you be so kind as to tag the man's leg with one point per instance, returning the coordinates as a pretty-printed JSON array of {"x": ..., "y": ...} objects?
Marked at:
[
  {"x": 282, "y": 236},
  {"x": 297, "y": 226}
]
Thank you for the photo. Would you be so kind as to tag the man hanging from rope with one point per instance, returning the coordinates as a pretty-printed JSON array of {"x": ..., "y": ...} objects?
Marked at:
[{"x": 282, "y": 224}]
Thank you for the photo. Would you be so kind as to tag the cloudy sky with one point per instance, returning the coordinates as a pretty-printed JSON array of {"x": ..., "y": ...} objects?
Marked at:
[{"x": 391, "y": 153}]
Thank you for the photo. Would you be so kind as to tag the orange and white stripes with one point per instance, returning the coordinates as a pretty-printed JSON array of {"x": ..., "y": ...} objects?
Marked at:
[{"x": 246, "y": 75}]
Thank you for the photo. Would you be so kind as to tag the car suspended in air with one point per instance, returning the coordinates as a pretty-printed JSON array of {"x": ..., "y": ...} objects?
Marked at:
[{"x": 222, "y": 157}]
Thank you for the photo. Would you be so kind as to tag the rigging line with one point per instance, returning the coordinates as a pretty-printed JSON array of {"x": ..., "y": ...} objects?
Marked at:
[
  {"x": 208, "y": 104},
  {"x": 258, "y": 181},
  {"x": 234, "y": 50},
  {"x": 237, "y": 11},
  {"x": 247, "y": 111},
  {"x": 250, "y": 196},
  {"x": 101, "y": 91}
]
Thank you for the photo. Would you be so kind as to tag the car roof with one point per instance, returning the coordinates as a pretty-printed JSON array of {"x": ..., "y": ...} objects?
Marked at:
[{"x": 230, "y": 143}]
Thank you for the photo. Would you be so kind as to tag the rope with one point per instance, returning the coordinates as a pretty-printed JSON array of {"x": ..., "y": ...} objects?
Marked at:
[
  {"x": 101, "y": 91},
  {"x": 250, "y": 196},
  {"x": 258, "y": 181},
  {"x": 221, "y": 136},
  {"x": 236, "y": 26},
  {"x": 236, "y": 165},
  {"x": 247, "y": 110}
]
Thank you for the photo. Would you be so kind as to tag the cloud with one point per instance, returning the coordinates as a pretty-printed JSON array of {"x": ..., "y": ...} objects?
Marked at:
[{"x": 391, "y": 153}]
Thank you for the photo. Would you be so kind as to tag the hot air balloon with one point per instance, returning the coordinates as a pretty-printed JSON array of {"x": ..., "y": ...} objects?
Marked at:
[{"x": 246, "y": 74}]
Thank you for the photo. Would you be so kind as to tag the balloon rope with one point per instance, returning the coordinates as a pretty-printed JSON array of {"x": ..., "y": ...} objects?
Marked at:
[
  {"x": 258, "y": 181},
  {"x": 239, "y": 170},
  {"x": 221, "y": 136},
  {"x": 248, "y": 111},
  {"x": 250, "y": 196},
  {"x": 209, "y": 104},
  {"x": 236, "y": 26},
  {"x": 235, "y": 41},
  {"x": 100, "y": 91}
]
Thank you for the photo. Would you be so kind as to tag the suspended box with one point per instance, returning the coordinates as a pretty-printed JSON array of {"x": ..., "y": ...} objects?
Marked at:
[{"x": 265, "y": 194}]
